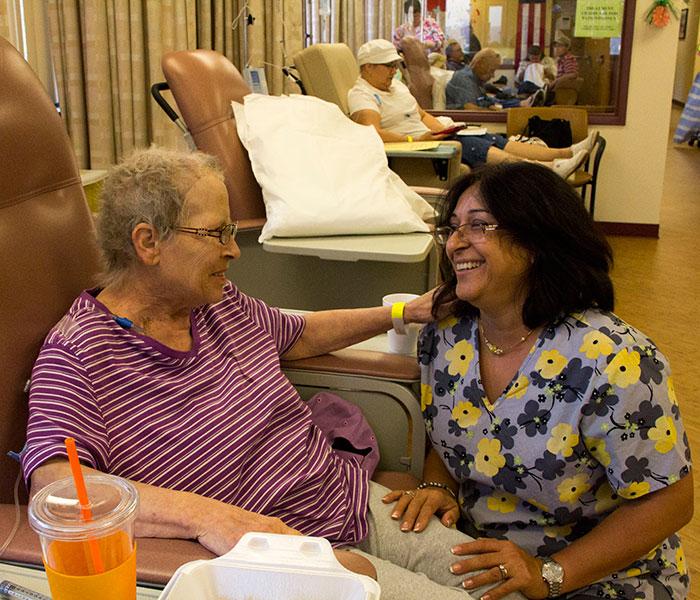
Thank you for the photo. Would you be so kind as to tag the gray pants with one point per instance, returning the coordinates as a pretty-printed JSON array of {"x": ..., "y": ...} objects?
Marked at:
[{"x": 413, "y": 566}]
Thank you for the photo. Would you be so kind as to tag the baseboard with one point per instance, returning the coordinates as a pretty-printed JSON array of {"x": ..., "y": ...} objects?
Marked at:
[{"x": 632, "y": 229}]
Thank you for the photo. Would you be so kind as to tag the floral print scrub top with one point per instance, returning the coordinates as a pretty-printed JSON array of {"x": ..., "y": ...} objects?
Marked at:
[{"x": 590, "y": 420}]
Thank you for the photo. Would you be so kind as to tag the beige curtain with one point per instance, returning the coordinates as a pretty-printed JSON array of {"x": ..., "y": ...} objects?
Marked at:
[
  {"x": 6, "y": 10},
  {"x": 352, "y": 22},
  {"x": 106, "y": 55}
]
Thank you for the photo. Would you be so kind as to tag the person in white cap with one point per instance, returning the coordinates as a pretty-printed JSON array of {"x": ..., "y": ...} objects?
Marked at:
[{"x": 378, "y": 99}]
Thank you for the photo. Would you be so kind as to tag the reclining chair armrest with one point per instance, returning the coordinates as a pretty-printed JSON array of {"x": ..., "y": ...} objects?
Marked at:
[
  {"x": 420, "y": 171},
  {"x": 156, "y": 559},
  {"x": 25, "y": 546},
  {"x": 381, "y": 365}
]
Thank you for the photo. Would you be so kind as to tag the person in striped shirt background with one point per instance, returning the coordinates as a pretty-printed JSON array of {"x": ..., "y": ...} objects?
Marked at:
[
  {"x": 567, "y": 65},
  {"x": 169, "y": 376}
]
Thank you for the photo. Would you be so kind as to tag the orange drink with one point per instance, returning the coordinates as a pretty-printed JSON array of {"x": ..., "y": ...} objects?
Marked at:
[{"x": 93, "y": 558}]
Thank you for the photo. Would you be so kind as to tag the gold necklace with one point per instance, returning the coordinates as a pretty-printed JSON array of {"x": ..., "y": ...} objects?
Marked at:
[{"x": 497, "y": 350}]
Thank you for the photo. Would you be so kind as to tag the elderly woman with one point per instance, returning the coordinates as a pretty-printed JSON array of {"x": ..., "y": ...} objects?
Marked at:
[
  {"x": 467, "y": 88},
  {"x": 169, "y": 376},
  {"x": 553, "y": 421}
]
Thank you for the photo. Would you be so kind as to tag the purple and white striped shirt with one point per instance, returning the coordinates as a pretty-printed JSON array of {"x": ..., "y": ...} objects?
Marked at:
[{"x": 220, "y": 420}]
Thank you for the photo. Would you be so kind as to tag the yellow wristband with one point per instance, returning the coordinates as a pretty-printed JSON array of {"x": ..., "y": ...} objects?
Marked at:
[
  {"x": 409, "y": 138},
  {"x": 397, "y": 321}
]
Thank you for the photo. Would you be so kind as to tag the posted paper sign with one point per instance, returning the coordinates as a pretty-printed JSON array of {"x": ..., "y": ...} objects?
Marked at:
[{"x": 598, "y": 18}]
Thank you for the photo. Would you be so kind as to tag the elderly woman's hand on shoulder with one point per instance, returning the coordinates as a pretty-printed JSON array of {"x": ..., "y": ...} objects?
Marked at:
[{"x": 420, "y": 310}]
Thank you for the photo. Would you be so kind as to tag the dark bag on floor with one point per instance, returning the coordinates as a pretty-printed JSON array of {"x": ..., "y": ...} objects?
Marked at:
[{"x": 556, "y": 133}]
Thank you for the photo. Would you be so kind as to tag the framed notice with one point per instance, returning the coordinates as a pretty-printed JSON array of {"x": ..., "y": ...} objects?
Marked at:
[{"x": 598, "y": 18}]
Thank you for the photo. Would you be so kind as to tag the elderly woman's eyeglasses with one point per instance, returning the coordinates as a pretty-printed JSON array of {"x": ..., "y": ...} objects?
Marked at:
[
  {"x": 225, "y": 233},
  {"x": 474, "y": 232}
]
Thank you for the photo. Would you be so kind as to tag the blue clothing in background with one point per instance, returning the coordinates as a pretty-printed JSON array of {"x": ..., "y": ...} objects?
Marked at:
[{"x": 466, "y": 88}]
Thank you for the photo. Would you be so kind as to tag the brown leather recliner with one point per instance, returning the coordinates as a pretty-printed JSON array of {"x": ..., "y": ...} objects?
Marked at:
[
  {"x": 47, "y": 243},
  {"x": 49, "y": 254},
  {"x": 420, "y": 81}
]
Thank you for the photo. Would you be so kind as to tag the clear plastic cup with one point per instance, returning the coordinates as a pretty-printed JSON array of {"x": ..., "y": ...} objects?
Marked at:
[
  {"x": 88, "y": 559},
  {"x": 402, "y": 343}
]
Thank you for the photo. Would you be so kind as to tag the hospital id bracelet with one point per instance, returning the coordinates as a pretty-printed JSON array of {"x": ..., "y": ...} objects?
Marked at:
[
  {"x": 397, "y": 321},
  {"x": 436, "y": 484}
]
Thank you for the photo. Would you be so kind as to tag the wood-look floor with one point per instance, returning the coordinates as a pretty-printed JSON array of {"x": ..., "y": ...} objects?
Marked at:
[{"x": 657, "y": 284}]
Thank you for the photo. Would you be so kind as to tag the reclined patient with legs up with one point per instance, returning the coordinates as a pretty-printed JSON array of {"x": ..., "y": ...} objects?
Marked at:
[
  {"x": 379, "y": 100},
  {"x": 169, "y": 376}
]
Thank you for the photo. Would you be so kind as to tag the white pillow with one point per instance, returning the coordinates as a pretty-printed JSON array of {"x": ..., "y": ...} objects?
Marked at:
[
  {"x": 321, "y": 173},
  {"x": 441, "y": 78}
]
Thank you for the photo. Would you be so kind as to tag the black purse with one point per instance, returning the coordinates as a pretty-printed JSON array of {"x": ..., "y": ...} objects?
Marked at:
[{"x": 556, "y": 133}]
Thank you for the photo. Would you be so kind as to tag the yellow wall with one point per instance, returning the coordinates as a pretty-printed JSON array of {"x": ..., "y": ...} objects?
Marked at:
[{"x": 632, "y": 170}]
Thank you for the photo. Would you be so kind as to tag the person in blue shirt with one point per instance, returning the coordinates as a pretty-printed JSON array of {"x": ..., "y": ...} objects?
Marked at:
[{"x": 466, "y": 88}]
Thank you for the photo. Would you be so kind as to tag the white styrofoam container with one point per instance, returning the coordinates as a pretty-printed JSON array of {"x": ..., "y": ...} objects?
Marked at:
[{"x": 267, "y": 566}]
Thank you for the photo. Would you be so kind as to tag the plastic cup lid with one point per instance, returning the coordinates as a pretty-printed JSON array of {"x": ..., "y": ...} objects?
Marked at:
[{"x": 55, "y": 511}]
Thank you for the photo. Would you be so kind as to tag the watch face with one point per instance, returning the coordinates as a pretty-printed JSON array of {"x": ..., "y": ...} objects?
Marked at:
[{"x": 553, "y": 572}]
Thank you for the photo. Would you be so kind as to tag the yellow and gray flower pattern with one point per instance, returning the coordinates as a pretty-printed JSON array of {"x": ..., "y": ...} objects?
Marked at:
[{"x": 589, "y": 421}]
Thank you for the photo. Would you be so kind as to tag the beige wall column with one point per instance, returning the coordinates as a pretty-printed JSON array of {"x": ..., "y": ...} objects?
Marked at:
[{"x": 632, "y": 171}]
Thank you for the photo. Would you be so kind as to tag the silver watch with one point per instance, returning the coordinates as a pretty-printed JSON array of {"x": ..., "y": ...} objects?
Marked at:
[{"x": 553, "y": 575}]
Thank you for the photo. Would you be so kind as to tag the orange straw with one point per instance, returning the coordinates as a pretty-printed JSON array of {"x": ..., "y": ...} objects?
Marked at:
[{"x": 85, "y": 511}]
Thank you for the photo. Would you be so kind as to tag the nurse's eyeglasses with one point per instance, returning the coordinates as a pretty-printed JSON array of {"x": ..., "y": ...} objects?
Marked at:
[{"x": 474, "y": 232}]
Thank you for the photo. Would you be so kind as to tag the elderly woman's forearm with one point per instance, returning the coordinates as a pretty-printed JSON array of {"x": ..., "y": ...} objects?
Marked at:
[
  {"x": 629, "y": 533},
  {"x": 162, "y": 512},
  {"x": 331, "y": 330}
]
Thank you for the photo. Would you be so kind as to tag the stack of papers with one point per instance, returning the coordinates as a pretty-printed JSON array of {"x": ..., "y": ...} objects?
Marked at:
[
  {"x": 409, "y": 146},
  {"x": 473, "y": 130}
]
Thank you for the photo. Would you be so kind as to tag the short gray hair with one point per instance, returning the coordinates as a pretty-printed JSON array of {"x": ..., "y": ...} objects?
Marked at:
[
  {"x": 487, "y": 57},
  {"x": 149, "y": 186}
]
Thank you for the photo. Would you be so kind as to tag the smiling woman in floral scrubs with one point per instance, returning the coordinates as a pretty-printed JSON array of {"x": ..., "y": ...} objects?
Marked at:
[{"x": 553, "y": 421}]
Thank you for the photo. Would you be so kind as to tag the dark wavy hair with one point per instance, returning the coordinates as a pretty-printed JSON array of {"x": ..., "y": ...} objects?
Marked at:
[{"x": 538, "y": 211}]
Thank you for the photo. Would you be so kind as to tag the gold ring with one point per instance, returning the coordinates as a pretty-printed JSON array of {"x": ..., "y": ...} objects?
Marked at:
[
  {"x": 504, "y": 571},
  {"x": 410, "y": 493}
]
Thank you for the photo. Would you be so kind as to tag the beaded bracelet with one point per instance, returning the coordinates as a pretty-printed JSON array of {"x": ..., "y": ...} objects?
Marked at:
[{"x": 436, "y": 484}]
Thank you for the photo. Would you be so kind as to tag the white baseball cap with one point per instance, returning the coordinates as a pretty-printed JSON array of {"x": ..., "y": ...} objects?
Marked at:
[{"x": 377, "y": 52}]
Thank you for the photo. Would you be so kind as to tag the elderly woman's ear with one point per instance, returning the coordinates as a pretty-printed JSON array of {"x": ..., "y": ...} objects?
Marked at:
[{"x": 146, "y": 242}]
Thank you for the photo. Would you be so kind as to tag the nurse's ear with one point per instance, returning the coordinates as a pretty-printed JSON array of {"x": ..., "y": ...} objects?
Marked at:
[{"x": 146, "y": 241}]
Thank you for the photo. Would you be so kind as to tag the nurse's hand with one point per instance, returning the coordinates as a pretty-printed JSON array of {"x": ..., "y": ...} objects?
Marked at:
[
  {"x": 414, "y": 508},
  {"x": 500, "y": 562}
]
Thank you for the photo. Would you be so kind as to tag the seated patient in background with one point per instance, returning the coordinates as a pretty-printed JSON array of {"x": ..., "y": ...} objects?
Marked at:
[
  {"x": 378, "y": 99},
  {"x": 554, "y": 424},
  {"x": 169, "y": 376},
  {"x": 467, "y": 88},
  {"x": 455, "y": 56},
  {"x": 532, "y": 74}
]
